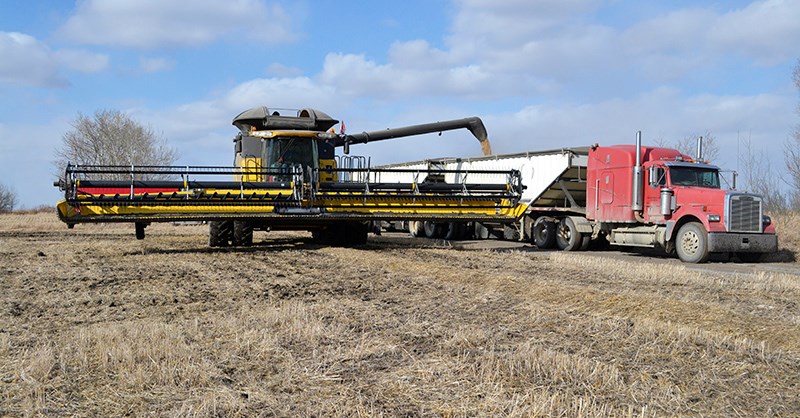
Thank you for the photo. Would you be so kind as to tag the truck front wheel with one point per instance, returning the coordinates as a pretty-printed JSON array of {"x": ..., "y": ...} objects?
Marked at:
[{"x": 691, "y": 244}]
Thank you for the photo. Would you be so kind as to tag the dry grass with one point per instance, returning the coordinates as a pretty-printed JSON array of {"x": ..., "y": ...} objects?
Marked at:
[{"x": 95, "y": 323}]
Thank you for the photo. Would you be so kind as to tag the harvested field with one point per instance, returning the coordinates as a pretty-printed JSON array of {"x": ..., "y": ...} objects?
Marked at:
[{"x": 95, "y": 323}]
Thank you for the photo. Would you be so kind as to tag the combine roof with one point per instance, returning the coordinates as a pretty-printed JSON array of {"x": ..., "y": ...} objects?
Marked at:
[{"x": 262, "y": 118}]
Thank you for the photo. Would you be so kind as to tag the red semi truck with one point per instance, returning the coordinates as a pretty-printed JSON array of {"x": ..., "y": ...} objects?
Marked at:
[{"x": 630, "y": 195}]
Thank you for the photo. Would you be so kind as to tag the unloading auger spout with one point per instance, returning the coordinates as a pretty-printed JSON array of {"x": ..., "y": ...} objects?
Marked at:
[{"x": 474, "y": 124}]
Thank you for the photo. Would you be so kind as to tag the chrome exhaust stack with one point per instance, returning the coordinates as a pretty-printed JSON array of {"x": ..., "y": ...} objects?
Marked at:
[
  {"x": 699, "y": 156},
  {"x": 637, "y": 185}
]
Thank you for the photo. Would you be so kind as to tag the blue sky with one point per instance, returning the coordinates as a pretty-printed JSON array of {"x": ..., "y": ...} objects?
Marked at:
[{"x": 541, "y": 74}]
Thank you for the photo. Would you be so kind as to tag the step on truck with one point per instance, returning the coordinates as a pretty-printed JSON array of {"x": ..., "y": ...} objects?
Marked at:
[
  {"x": 575, "y": 199},
  {"x": 287, "y": 175}
]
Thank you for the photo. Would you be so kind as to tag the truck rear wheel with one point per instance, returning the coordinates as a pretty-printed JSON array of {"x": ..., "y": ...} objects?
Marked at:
[
  {"x": 691, "y": 243},
  {"x": 567, "y": 236},
  {"x": 456, "y": 231},
  {"x": 220, "y": 233},
  {"x": 543, "y": 233},
  {"x": 242, "y": 233}
]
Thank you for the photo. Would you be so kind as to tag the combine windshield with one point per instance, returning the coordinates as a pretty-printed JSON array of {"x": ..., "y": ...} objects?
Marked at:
[
  {"x": 285, "y": 152},
  {"x": 695, "y": 177}
]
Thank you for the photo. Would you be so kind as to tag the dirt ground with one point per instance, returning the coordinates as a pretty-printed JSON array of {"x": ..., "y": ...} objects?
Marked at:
[{"x": 95, "y": 323}]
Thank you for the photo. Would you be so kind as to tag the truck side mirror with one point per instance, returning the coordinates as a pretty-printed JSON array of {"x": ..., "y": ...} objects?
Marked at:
[{"x": 653, "y": 176}]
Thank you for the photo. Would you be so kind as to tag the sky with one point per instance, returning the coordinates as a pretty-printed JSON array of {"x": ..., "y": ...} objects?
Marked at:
[{"x": 542, "y": 74}]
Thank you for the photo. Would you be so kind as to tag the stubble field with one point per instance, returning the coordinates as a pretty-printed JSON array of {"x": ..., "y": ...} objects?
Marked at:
[{"x": 95, "y": 323}]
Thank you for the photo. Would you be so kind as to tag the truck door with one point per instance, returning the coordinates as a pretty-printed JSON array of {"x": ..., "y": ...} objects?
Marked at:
[{"x": 656, "y": 179}]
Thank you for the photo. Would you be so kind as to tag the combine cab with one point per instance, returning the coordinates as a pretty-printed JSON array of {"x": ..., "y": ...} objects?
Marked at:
[{"x": 287, "y": 176}]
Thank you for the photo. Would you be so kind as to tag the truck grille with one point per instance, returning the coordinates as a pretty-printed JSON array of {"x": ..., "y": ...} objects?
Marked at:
[{"x": 743, "y": 213}]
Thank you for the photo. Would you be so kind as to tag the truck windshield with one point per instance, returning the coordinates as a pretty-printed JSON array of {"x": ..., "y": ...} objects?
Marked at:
[{"x": 697, "y": 177}]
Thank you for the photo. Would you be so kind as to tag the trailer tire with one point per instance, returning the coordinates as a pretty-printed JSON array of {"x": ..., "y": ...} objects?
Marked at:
[
  {"x": 691, "y": 243},
  {"x": 242, "y": 233},
  {"x": 415, "y": 228},
  {"x": 567, "y": 236},
  {"x": 543, "y": 233},
  {"x": 220, "y": 233}
]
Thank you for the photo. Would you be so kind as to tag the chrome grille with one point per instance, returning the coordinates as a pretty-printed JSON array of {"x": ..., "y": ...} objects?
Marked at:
[{"x": 743, "y": 213}]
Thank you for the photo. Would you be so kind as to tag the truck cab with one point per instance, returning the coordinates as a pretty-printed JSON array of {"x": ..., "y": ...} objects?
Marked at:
[{"x": 662, "y": 197}]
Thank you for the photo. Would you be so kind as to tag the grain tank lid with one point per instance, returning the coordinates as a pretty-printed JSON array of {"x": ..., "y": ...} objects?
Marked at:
[{"x": 262, "y": 118}]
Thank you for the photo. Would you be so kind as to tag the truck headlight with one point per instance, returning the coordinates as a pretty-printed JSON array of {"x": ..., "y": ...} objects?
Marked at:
[
  {"x": 713, "y": 217},
  {"x": 766, "y": 220}
]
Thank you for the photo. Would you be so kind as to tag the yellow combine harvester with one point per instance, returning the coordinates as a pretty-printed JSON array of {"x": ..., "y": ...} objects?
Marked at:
[{"x": 286, "y": 176}]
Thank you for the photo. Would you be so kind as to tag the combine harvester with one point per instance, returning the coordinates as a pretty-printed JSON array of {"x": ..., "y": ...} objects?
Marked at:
[
  {"x": 626, "y": 195},
  {"x": 286, "y": 176}
]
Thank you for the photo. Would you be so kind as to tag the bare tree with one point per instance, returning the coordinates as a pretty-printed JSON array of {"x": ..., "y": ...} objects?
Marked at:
[
  {"x": 791, "y": 153},
  {"x": 759, "y": 179},
  {"x": 111, "y": 137},
  {"x": 8, "y": 199},
  {"x": 688, "y": 146}
]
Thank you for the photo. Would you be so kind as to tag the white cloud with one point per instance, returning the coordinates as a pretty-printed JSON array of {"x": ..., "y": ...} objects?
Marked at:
[
  {"x": 150, "y": 24},
  {"x": 82, "y": 61},
  {"x": 766, "y": 31},
  {"x": 27, "y": 62},
  {"x": 154, "y": 65}
]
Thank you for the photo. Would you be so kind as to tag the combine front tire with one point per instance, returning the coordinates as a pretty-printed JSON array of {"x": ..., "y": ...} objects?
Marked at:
[
  {"x": 220, "y": 233},
  {"x": 692, "y": 243},
  {"x": 242, "y": 233}
]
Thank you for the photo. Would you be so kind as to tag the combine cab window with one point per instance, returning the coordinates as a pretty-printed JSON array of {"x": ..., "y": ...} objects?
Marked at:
[
  {"x": 284, "y": 152},
  {"x": 695, "y": 177}
]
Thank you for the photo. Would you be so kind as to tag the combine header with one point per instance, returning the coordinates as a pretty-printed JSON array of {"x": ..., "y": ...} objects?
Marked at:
[{"x": 286, "y": 176}]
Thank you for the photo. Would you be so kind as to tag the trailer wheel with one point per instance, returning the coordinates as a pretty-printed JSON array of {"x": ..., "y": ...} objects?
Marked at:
[
  {"x": 543, "y": 233},
  {"x": 692, "y": 243},
  {"x": 242, "y": 233},
  {"x": 416, "y": 229},
  {"x": 220, "y": 233},
  {"x": 567, "y": 236}
]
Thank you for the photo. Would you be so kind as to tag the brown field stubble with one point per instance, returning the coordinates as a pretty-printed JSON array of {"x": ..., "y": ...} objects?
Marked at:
[{"x": 95, "y": 323}]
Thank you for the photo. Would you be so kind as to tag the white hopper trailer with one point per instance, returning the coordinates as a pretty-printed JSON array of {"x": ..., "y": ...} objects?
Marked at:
[{"x": 630, "y": 195}]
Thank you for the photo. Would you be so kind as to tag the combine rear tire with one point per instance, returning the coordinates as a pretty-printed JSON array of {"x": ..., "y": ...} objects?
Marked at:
[
  {"x": 544, "y": 233},
  {"x": 692, "y": 243},
  {"x": 242, "y": 233},
  {"x": 220, "y": 233}
]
